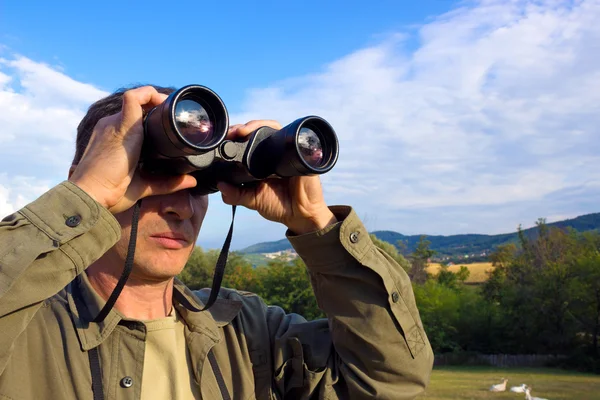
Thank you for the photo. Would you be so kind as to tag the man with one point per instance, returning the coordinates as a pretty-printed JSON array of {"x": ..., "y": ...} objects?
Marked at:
[{"x": 61, "y": 257}]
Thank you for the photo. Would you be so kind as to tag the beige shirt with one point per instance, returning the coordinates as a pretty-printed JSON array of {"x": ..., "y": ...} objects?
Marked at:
[{"x": 167, "y": 365}]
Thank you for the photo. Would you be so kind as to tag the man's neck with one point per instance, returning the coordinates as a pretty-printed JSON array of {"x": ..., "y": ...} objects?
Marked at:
[{"x": 140, "y": 299}]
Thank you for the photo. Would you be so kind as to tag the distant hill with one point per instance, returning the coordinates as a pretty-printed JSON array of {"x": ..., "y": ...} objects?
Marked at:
[
  {"x": 474, "y": 246},
  {"x": 267, "y": 247}
]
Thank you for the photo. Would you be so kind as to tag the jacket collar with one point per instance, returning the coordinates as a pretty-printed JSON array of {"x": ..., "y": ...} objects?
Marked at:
[{"x": 85, "y": 303}]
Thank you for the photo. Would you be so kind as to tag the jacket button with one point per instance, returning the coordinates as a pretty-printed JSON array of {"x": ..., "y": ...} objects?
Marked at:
[
  {"x": 354, "y": 237},
  {"x": 395, "y": 297},
  {"x": 127, "y": 382},
  {"x": 73, "y": 221}
]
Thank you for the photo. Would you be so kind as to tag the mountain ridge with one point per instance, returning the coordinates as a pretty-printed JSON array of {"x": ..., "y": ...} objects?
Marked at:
[{"x": 449, "y": 246}]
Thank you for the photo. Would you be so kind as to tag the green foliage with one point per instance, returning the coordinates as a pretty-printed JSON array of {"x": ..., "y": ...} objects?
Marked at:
[
  {"x": 278, "y": 283},
  {"x": 584, "y": 299},
  {"x": 463, "y": 274},
  {"x": 450, "y": 279},
  {"x": 419, "y": 261},
  {"x": 391, "y": 250},
  {"x": 542, "y": 297},
  {"x": 548, "y": 293},
  {"x": 503, "y": 255},
  {"x": 289, "y": 287},
  {"x": 439, "y": 309},
  {"x": 199, "y": 269}
]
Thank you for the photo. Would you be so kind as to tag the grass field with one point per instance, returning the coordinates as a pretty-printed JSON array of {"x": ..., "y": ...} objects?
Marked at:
[
  {"x": 474, "y": 383},
  {"x": 478, "y": 270}
]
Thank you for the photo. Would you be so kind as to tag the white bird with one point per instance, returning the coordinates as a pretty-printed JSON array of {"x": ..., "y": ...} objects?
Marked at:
[
  {"x": 528, "y": 395},
  {"x": 501, "y": 387},
  {"x": 519, "y": 389}
]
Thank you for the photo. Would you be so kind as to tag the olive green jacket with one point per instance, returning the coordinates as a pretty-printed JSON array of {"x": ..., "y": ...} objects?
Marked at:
[{"x": 372, "y": 345}]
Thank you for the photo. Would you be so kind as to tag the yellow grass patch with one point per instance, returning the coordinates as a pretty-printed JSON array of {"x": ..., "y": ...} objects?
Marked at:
[{"x": 478, "y": 270}]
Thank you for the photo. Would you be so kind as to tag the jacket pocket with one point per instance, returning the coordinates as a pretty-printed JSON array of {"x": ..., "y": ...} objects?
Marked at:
[{"x": 295, "y": 379}]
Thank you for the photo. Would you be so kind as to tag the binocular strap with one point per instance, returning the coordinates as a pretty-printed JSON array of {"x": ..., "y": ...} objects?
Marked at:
[
  {"x": 128, "y": 265},
  {"x": 216, "y": 286}
]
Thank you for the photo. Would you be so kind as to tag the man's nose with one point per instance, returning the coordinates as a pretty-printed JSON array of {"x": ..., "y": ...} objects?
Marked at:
[{"x": 178, "y": 204}]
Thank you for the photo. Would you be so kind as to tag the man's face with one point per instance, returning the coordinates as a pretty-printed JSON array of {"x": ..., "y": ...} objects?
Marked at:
[{"x": 168, "y": 227}]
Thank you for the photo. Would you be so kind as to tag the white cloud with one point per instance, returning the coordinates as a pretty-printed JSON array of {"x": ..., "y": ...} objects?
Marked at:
[
  {"x": 18, "y": 191},
  {"x": 44, "y": 85},
  {"x": 40, "y": 110},
  {"x": 498, "y": 104}
]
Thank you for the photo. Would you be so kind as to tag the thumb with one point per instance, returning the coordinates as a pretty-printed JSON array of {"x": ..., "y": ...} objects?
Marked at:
[{"x": 238, "y": 196}]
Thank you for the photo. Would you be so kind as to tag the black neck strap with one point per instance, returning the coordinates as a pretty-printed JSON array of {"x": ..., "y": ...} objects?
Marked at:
[
  {"x": 128, "y": 265},
  {"x": 217, "y": 278},
  {"x": 216, "y": 286},
  {"x": 221, "y": 264}
]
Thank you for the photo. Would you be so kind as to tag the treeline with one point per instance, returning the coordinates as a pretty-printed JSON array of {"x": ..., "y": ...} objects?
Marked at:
[
  {"x": 279, "y": 282},
  {"x": 542, "y": 297}
]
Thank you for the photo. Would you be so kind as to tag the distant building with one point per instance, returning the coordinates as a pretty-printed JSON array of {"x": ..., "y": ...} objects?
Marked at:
[{"x": 287, "y": 255}]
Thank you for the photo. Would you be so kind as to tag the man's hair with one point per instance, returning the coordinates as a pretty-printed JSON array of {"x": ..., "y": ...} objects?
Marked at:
[{"x": 103, "y": 108}]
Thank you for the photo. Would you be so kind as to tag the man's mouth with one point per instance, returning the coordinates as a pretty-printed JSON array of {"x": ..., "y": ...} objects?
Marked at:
[{"x": 171, "y": 240}]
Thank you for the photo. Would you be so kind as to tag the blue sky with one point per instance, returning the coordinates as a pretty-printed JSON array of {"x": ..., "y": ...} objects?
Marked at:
[
  {"x": 468, "y": 117},
  {"x": 229, "y": 46}
]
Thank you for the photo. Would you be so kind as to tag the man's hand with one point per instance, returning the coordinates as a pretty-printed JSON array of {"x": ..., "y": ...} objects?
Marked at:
[
  {"x": 296, "y": 202},
  {"x": 108, "y": 169}
]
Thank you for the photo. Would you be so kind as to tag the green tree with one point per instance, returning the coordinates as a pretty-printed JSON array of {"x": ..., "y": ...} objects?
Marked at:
[
  {"x": 439, "y": 310},
  {"x": 392, "y": 251},
  {"x": 452, "y": 280},
  {"x": 419, "y": 261},
  {"x": 447, "y": 278},
  {"x": 198, "y": 271},
  {"x": 241, "y": 276},
  {"x": 402, "y": 247},
  {"x": 532, "y": 288},
  {"x": 288, "y": 286},
  {"x": 503, "y": 255},
  {"x": 200, "y": 268},
  {"x": 463, "y": 274},
  {"x": 584, "y": 304}
]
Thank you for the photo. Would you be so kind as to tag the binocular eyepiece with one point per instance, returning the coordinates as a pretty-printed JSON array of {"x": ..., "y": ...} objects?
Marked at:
[{"x": 186, "y": 134}]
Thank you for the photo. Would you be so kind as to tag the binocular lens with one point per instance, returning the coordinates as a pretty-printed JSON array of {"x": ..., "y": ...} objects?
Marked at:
[
  {"x": 193, "y": 122},
  {"x": 187, "y": 134},
  {"x": 311, "y": 147}
]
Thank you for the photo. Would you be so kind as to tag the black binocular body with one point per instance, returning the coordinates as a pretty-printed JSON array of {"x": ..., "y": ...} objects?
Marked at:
[{"x": 186, "y": 134}]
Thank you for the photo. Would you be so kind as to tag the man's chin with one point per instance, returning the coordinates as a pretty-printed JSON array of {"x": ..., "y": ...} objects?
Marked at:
[
  {"x": 157, "y": 276},
  {"x": 160, "y": 272}
]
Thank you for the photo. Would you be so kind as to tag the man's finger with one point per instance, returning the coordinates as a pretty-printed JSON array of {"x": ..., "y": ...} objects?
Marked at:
[
  {"x": 240, "y": 131},
  {"x": 133, "y": 102},
  {"x": 148, "y": 106},
  {"x": 232, "y": 132},
  {"x": 233, "y": 195}
]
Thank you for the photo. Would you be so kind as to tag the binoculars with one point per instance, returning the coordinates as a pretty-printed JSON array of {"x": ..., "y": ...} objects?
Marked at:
[{"x": 186, "y": 134}]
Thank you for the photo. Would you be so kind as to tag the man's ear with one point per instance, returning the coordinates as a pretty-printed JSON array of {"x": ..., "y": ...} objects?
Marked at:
[{"x": 71, "y": 170}]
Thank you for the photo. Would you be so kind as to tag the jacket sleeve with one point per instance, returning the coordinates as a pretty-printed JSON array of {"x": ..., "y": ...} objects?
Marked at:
[
  {"x": 372, "y": 344},
  {"x": 42, "y": 248}
]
